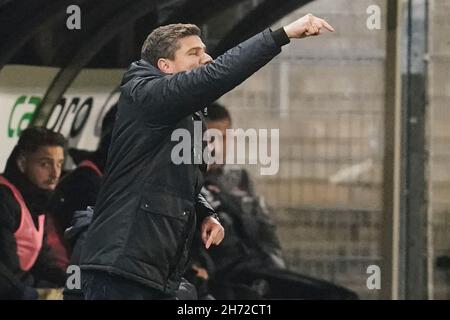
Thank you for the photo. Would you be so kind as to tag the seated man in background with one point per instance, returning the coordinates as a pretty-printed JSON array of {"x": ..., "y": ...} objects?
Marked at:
[
  {"x": 31, "y": 174},
  {"x": 250, "y": 256}
]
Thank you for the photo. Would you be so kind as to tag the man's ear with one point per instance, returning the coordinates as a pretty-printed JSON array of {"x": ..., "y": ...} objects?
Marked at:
[
  {"x": 164, "y": 65},
  {"x": 21, "y": 163}
]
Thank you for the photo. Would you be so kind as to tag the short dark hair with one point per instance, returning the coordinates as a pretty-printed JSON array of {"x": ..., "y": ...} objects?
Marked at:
[
  {"x": 216, "y": 112},
  {"x": 33, "y": 138},
  {"x": 163, "y": 41}
]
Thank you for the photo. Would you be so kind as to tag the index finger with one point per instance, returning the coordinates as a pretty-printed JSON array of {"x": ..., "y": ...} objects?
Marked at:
[
  {"x": 327, "y": 26},
  {"x": 212, "y": 237}
]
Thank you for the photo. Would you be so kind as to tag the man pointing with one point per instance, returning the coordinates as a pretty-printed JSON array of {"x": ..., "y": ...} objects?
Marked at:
[{"x": 138, "y": 244}]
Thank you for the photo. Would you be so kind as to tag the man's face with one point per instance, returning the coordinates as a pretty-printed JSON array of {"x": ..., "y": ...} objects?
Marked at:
[
  {"x": 43, "y": 167},
  {"x": 220, "y": 147},
  {"x": 190, "y": 55}
]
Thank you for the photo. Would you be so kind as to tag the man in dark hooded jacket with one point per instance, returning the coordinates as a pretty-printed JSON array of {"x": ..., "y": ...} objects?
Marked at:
[{"x": 139, "y": 241}]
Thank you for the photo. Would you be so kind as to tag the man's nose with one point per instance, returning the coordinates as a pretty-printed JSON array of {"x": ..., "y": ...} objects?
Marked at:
[
  {"x": 55, "y": 172},
  {"x": 206, "y": 59}
]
